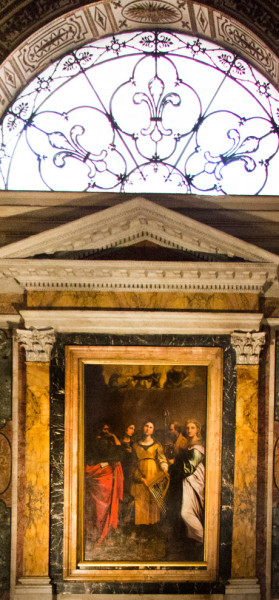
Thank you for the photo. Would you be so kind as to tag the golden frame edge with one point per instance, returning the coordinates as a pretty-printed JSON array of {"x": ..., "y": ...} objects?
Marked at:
[{"x": 74, "y": 567}]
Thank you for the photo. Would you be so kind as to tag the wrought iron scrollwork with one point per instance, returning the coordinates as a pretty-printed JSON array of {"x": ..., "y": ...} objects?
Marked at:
[{"x": 144, "y": 111}]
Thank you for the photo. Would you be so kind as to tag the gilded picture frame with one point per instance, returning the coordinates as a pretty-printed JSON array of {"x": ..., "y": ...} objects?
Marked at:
[{"x": 83, "y": 405}]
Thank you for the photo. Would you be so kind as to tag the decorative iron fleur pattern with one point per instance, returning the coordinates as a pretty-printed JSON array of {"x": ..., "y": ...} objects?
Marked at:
[{"x": 144, "y": 111}]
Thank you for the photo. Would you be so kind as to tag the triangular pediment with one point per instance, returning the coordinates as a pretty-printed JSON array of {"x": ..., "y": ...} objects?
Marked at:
[
  {"x": 141, "y": 251},
  {"x": 130, "y": 223}
]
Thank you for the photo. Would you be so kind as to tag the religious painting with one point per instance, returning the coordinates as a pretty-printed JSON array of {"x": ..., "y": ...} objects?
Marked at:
[{"x": 144, "y": 432}]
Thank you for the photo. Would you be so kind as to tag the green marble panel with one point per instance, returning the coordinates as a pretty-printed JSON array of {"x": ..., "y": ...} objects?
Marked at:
[
  {"x": 5, "y": 546},
  {"x": 276, "y": 408},
  {"x": 5, "y": 415},
  {"x": 275, "y": 510},
  {"x": 5, "y": 379},
  {"x": 275, "y": 552}
]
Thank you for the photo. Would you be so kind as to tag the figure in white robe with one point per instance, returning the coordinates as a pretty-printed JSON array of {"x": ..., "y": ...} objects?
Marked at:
[
  {"x": 193, "y": 485},
  {"x": 192, "y": 508}
]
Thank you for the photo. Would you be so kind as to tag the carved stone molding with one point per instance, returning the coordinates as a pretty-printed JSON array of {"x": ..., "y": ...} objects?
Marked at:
[
  {"x": 243, "y": 589},
  {"x": 9, "y": 321},
  {"x": 38, "y": 343},
  {"x": 248, "y": 345},
  {"x": 251, "y": 270},
  {"x": 141, "y": 322},
  {"x": 128, "y": 276},
  {"x": 127, "y": 223},
  {"x": 38, "y": 588},
  {"x": 272, "y": 322}
]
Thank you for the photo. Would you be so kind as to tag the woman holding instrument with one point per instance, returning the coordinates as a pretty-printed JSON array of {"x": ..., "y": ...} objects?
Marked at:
[{"x": 149, "y": 462}]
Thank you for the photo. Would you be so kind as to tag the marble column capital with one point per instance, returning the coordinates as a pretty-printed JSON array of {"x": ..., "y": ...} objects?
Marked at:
[
  {"x": 247, "y": 345},
  {"x": 38, "y": 343}
]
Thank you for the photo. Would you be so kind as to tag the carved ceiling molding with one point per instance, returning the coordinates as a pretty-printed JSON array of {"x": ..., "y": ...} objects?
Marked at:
[
  {"x": 128, "y": 223},
  {"x": 140, "y": 276},
  {"x": 27, "y": 56},
  {"x": 141, "y": 322}
]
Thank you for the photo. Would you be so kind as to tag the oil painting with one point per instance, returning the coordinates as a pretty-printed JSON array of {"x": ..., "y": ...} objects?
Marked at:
[
  {"x": 142, "y": 462},
  {"x": 145, "y": 441}
]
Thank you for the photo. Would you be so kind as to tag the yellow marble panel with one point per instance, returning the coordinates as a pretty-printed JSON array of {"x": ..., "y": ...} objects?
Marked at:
[
  {"x": 245, "y": 478},
  {"x": 9, "y": 302},
  {"x": 36, "y": 513},
  {"x": 144, "y": 300}
]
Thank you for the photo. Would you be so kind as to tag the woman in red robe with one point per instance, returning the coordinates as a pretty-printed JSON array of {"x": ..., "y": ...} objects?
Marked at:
[{"x": 104, "y": 487}]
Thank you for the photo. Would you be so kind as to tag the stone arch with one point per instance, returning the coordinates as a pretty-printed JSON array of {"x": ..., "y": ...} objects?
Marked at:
[{"x": 20, "y": 20}]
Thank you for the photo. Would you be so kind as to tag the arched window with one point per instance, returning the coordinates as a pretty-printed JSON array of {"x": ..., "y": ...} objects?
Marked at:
[{"x": 144, "y": 111}]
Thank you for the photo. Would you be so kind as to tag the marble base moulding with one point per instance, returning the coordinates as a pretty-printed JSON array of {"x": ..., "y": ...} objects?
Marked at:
[
  {"x": 243, "y": 589},
  {"x": 40, "y": 589},
  {"x": 140, "y": 597},
  {"x": 36, "y": 588}
]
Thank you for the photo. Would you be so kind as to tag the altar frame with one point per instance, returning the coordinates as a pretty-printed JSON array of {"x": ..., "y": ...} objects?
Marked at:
[{"x": 74, "y": 565}]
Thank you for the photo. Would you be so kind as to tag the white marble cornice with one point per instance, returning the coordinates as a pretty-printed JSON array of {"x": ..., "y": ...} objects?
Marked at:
[
  {"x": 248, "y": 345},
  {"x": 38, "y": 343},
  {"x": 126, "y": 276},
  {"x": 9, "y": 321},
  {"x": 133, "y": 221},
  {"x": 272, "y": 322},
  {"x": 141, "y": 322}
]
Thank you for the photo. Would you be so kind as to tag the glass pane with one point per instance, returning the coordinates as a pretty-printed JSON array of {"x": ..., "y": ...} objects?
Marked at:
[{"x": 148, "y": 111}]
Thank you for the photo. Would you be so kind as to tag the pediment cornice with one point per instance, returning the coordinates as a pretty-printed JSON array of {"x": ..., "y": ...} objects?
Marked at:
[
  {"x": 133, "y": 221},
  {"x": 128, "y": 276},
  {"x": 247, "y": 268}
]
